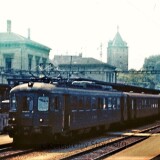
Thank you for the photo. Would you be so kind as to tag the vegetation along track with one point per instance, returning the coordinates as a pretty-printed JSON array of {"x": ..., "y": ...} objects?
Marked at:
[{"x": 106, "y": 149}]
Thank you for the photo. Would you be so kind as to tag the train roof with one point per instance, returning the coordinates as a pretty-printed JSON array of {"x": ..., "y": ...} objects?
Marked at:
[
  {"x": 34, "y": 86},
  {"x": 142, "y": 95},
  {"x": 85, "y": 88},
  {"x": 90, "y": 83},
  {"x": 128, "y": 88}
]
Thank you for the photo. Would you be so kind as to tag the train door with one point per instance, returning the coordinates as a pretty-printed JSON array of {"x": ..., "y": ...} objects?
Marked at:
[
  {"x": 122, "y": 108},
  {"x": 25, "y": 111},
  {"x": 130, "y": 108},
  {"x": 134, "y": 104},
  {"x": 66, "y": 113},
  {"x": 55, "y": 112},
  {"x": 41, "y": 110}
]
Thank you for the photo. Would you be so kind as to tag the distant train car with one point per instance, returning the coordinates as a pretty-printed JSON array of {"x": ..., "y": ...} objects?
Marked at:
[
  {"x": 3, "y": 122},
  {"x": 4, "y": 106},
  {"x": 140, "y": 105},
  {"x": 50, "y": 110}
]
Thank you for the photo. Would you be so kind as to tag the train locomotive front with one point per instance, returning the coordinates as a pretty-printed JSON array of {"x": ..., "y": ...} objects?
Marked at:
[{"x": 30, "y": 114}]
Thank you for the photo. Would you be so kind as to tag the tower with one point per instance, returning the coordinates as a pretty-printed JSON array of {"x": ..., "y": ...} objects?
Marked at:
[{"x": 117, "y": 52}]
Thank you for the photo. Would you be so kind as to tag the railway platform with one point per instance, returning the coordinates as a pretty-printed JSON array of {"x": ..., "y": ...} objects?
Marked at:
[
  {"x": 148, "y": 149},
  {"x": 4, "y": 138}
]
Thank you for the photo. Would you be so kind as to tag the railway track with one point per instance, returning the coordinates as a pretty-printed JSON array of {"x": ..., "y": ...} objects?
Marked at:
[
  {"x": 5, "y": 145},
  {"x": 8, "y": 151},
  {"x": 98, "y": 150},
  {"x": 104, "y": 150}
]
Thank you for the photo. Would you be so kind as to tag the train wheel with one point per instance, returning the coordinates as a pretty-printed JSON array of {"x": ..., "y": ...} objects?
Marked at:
[
  {"x": 21, "y": 141},
  {"x": 56, "y": 139}
]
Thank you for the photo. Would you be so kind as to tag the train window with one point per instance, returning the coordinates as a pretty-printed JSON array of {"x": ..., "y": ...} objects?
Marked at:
[
  {"x": 80, "y": 103},
  {"x": 94, "y": 102},
  {"x": 156, "y": 103},
  {"x": 43, "y": 103},
  {"x": 13, "y": 103},
  {"x": 118, "y": 103},
  {"x": 144, "y": 103},
  {"x": 114, "y": 103},
  {"x": 139, "y": 103},
  {"x": 88, "y": 103},
  {"x": 100, "y": 103},
  {"x": 27, "y": 103},
  {"x": 132, "y": 103},
  {"x": 55, "y": 103},
  {"x": 109, "y": 103},
  {"x": 147, "y": 103},
  {"x": 105, "y": 103},
  {"x": 73, "y": 101},
  {"x": 151, "y": 103}
]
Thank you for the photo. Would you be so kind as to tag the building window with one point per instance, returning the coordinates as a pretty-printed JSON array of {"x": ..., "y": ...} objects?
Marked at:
[
  {"x": 8, "y": 63},
  {"x": 8, "y": 60},
  {"x": 44, "y": 60},
  {"x": 37, "y": 63},
  {"x": 30, "y": 62}
]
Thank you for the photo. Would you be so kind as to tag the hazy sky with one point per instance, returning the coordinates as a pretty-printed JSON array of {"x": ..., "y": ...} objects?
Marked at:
[{"x": 74, "y": 26}]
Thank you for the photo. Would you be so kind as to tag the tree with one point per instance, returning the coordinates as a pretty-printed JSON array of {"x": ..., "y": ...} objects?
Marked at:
[{"x": 152, "y": 63}]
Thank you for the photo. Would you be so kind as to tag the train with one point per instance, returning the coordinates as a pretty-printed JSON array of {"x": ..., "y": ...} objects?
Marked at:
[
  {"x": 52, "y": 110},
  {"x": 4, "y": 107}
]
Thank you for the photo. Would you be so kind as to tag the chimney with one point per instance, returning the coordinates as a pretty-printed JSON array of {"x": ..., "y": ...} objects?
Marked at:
[
  {"x": 8, "y": 26},
  {"x": 28, "y": 33}
]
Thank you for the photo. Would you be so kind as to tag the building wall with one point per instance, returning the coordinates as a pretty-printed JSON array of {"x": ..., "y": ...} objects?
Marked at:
[
  {"x": 19, "y": 56},
  {"x": 118, "y": 57},
  {"x": 99, "y": 72}
]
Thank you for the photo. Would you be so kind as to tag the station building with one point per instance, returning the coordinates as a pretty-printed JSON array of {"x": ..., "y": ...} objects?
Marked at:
[
  {"x": 18, "y": 53},
  {"x": 85, "y": 67}
]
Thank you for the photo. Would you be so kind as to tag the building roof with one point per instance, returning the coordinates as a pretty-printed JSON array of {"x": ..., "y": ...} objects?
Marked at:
[
  {"x": 78, "y": 61},
  {"x": 13, "y": 38},
  {"x": 68, "y": 59},
  {"x": 117, "y": 41}
]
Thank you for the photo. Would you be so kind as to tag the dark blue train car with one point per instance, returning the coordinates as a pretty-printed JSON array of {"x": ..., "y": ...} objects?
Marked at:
[{"x": 52, "y": 110}]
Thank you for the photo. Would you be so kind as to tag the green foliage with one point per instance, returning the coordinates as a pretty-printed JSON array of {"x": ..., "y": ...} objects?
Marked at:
[
  {"x": 152, "y": 62},
  {"x": 143, "y": 78},
  {"x": 137, "y": 78}
]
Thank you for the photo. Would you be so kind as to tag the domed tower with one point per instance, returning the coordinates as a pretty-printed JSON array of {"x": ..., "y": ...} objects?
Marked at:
[{"x": 117, "y": 52}]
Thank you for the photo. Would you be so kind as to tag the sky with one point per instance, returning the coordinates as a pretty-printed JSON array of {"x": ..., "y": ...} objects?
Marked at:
[{"x": 81, "y": 26}]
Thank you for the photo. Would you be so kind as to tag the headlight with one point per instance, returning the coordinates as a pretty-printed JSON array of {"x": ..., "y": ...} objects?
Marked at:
[
  {"x": 41, "y": 120},
  {"x": 13, "y": 119}
]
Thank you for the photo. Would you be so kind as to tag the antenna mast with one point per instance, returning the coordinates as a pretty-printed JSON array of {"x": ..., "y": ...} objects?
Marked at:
[{"x": 101, "y": 51}]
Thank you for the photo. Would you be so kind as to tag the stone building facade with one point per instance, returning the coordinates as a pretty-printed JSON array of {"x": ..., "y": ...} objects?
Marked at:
[
  {"x": 117, "y": 53},
  {"x": 18, "y": 53},
  {"x": 85, "y": 67}
]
